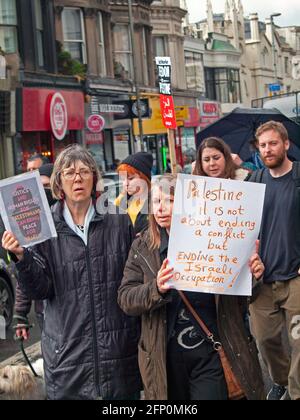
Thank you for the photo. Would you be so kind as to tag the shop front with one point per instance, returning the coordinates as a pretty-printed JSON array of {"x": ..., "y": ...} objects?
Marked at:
[
  {"x": 47, "y": 121},
  {"x": 155, "y": 136},
  {"x": 187, "y": 137},
  {"x": 110, "y": 140},
  {"x": 210, "y": 112}
]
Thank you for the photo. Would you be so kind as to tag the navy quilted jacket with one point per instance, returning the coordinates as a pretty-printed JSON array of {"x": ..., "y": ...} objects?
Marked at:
[{"x": 89, "y": 345}]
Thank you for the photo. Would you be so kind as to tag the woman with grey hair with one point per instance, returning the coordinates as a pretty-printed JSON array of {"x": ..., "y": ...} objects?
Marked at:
[{"x": 89, "y": 346}]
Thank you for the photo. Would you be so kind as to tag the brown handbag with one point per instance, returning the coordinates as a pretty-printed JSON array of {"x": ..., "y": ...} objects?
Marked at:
[{"x": 235, "y": 391}]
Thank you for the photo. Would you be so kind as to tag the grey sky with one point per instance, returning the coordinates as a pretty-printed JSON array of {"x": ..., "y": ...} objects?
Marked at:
[{"x": 290, "y": 9}]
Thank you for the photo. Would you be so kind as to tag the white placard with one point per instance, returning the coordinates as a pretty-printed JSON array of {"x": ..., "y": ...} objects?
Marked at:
[
  {"x": 25, "y": 210},
  {"x": 215, "y": 226}
]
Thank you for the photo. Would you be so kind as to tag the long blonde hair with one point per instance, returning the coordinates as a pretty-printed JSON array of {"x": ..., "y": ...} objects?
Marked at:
[{"x": 167, "y": 184}]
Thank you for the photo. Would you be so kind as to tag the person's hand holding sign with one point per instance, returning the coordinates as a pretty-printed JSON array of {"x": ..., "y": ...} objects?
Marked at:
[
  {"x": 164, "y": 275},
  {"x": 256, "y": 265},
  {"x": 11, "y": 244}
]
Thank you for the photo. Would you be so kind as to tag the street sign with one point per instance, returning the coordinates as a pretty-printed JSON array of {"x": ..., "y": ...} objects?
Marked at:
[
  {"x": 95, "y": 123},
  {"x": 164, "y": 75},
  {"x": 167, "y": 104},
  {"x": 168, "y": 112},
  {"x": 129, "y": 109},
  {"x": 275, "y": 87},
  {"x": 182, "y": 113}
]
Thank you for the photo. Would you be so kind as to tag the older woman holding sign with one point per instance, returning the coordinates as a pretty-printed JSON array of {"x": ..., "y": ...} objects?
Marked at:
[
  {"x": 89, "y": 346},
  {"x": 177, "y": 361}
]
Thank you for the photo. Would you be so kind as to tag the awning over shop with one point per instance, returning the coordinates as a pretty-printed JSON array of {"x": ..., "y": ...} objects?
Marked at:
[{"x": 33, "y": 109}]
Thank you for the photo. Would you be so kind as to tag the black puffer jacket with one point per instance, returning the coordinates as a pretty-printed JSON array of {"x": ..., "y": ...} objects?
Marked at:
[{"x": 89, "y": 346}]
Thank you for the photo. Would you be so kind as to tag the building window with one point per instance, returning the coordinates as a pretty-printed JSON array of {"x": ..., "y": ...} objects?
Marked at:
[
  {"x": 123, "y": 67},
  {"x": 286, "y": 65},
  {"x": 39, "y": 32},
  {"x": 160, "y": 46},
  {"x": 145, "y": 59},
  {"x": 160, "y": 50},
  {"x": 223, "y": 85},
  {"x": 194, "y": 71},
  {"x": 8, "y": 26},
  {"x": 73, "y": 30},
  {"x": 265, "y": 57},
  {"x": 102, "y": 59}
]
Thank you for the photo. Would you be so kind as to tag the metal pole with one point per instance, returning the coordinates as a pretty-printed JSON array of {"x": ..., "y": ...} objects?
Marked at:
[
  {"x": 273, "y": 49},
  {"x": 137, "y": 89},
  {"x": 172, "y": 150}
]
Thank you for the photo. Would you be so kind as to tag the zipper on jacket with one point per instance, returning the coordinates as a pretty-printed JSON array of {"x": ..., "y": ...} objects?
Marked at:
[
  {"x": 95, "y": 346},
  {"x": 69, "y": 232}
]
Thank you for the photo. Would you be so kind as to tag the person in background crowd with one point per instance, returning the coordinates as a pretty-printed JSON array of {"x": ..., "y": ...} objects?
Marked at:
[
  {"x": 22, "y": 302},
  {"x": 254, "y": 163},
  {"x": 135, "y": 171},
  {"x": 249, "y": 166},
  {"x": 35, "y": 162},
  {"x": 256, "y": 158},
  {"x": 175, "y": 359},
  {"x": 214, "y": 159},
  {"x": 277, "y": 307},
  {"x": 89, "y": 345},
  {"x": 115, "y": 164}
]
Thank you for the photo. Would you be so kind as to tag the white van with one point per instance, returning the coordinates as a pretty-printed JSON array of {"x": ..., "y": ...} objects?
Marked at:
[{"x": 288, "y": 105}]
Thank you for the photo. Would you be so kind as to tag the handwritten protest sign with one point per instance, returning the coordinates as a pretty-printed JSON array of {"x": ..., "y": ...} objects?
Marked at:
[
  {"x": 215, "y": 226},
  {"x": 24, "y": 209}
]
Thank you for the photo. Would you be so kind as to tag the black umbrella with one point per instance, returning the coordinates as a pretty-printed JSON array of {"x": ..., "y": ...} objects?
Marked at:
[{"x": 238, "y": 129}]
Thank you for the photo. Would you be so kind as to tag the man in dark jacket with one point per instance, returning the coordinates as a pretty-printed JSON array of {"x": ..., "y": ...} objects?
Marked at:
[{"x": 89, "y": 345}]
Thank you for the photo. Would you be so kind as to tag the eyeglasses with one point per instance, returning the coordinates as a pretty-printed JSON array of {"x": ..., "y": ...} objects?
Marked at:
[{"x": 70, "y": 174}]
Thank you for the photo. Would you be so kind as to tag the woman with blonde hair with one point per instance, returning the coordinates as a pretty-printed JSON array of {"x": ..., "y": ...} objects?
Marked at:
[{"x": 175, "y": 359}]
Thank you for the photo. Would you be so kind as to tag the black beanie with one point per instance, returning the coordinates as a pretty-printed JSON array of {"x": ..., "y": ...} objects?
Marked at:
[
  {"x": 142, "y": 161},
  {"x": 46, "y": 169}
]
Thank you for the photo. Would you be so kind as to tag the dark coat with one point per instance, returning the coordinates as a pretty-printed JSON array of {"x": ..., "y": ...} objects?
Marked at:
[
  {"x": 138, "y": 295},
  {"x": 89, "y": 345}
]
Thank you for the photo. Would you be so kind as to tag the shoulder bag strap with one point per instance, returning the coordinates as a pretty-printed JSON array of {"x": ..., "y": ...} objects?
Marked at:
[{"x": 209, "y": 335}]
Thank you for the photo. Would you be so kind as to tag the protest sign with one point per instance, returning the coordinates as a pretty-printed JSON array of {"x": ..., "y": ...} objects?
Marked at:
[
  {"x": 215, "y": 226},
  {"x": 24, "y": 209}
]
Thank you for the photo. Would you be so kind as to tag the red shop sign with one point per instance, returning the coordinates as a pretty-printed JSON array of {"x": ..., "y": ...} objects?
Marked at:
[
  {"x": 95, "y": 123},
  {"x": 94, "y": 138},
  {"x": 168, "y": 112},
  {"x": 58, "y": 116},
  {"x": 34, "y": 109}
]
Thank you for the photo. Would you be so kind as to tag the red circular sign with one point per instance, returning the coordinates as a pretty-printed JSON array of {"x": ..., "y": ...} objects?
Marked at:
[
  {"x": 95, "y": 123},
  {"x": 58, "y": 116}
]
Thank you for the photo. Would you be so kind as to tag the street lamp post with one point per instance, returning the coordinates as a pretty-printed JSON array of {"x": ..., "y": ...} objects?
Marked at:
[
  {"x": 135, "y": 83},
  {"x": 273, "y": 44}
]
